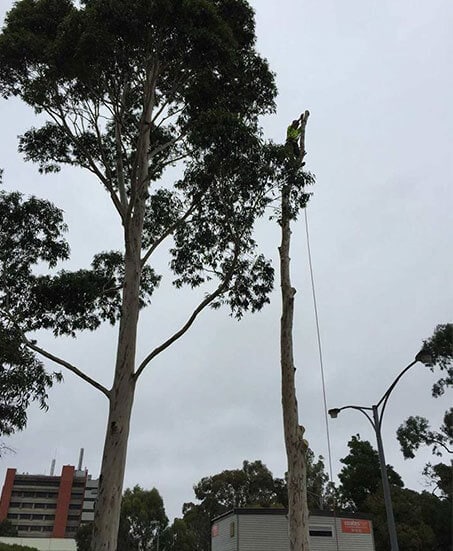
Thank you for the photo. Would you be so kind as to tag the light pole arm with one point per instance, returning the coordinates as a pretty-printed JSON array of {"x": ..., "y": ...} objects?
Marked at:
[
  {"x": 387, "y": 393},
  {"x": 363, "y": 410}
]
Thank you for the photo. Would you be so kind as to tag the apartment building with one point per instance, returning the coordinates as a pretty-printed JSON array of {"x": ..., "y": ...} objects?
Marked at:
[{"x": 41, "y": 506}]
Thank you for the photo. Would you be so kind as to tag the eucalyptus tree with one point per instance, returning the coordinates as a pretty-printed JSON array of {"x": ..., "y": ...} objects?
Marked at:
[
  {"x": 292, "y": 181},
  {"x": 126, "y": 89}
]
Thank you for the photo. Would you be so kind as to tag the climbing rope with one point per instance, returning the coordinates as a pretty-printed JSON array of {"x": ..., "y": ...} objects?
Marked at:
[{"x": 321, "y": 363}]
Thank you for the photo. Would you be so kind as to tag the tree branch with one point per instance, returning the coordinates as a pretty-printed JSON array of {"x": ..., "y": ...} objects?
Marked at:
[
  {"x": 65, "y": 364},
  {"x": 220, "y": 289}
]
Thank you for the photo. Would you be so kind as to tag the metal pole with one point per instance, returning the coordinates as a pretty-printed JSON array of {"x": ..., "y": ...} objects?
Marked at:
[{"x": 385, "y": 483}]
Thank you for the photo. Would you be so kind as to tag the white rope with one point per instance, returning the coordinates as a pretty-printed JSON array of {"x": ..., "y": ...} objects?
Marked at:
[{"x": 321, "y": 363}]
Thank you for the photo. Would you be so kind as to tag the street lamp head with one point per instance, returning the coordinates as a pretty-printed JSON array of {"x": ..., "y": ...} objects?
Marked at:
[
  {"x": 425, "y": 357},
  {"x": 334, "y": 413}
]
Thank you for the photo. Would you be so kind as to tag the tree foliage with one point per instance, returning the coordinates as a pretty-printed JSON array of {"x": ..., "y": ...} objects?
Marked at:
[
  {"x": 142, "y": 519},
  {"x": 441, "y": 477},
  {"x": 422, "y": 520},
  {"x": 440, "y": 347},
  {"x": 361, "y": 476},
  {"x": 416, "y": 432},
  {"x": 178, "y": 537},
  {"x": 30, "y": 234}
]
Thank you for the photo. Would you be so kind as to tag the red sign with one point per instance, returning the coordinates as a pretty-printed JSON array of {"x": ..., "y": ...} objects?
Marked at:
[
  {"x": 215, "y": 530},
  {"x": 353, "y": 526}
]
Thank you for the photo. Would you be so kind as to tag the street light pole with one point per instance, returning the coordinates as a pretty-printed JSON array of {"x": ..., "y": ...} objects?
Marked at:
[
  {"x": 385, "y": 483},
  {"x": 376, "y": 421}
]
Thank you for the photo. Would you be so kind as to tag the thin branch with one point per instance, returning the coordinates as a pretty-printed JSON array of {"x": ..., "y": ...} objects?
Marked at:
[
  {"x": 61, "y": 120},
  {"x": 169, "y": 231},
  {"x": 170, "y": 98},
  {"x": 208, "y": 299},
  {"x": 95, "y": 115},
  {"x": 436, "y": 442},
  {"x": 171, "y": 115},
  {"x": 67, "y": 365},
  {"x": 160, "y": 148},
  {"x": 175, "y": 159}
]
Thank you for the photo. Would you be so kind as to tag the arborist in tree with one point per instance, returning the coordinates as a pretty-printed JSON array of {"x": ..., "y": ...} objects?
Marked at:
[{"x": 292, "y": 137}]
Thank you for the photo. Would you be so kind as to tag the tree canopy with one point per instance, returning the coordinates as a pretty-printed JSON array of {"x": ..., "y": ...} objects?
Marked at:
[{"x": 142, "y": 519}]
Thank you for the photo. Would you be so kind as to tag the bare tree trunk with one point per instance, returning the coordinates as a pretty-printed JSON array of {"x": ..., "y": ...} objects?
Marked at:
[
  {"x": 108, "y": 505},
  {"x": 296, "y": 446}
]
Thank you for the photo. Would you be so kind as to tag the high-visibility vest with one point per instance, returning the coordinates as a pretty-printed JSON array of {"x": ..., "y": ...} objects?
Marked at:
[{"x": 292, "y": 133}]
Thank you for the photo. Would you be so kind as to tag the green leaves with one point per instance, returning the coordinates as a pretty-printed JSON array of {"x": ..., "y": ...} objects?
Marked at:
[
  {"x": 416, "y": 432},
  {"x": 440, "y": 346},
  {"x": 23, "y": 380},
  {"x": 360, "y": 477},
  {"x": 142, "y": 518},
  {"x": 31, "y": 231}
]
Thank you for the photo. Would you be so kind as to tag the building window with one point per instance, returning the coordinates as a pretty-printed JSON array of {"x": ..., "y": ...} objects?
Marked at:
[
  {"x": 321, "y": 531},
  {"x": 231, "y": 529}
]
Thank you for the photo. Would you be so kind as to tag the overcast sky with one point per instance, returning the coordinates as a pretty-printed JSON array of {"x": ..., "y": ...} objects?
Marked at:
[{"x": 376, "y": 76}]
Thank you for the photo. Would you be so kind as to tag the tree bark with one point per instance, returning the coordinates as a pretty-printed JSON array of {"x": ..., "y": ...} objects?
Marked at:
[
  {"x": 108, "y": 503},
  {"x": 296, "y": 446}
]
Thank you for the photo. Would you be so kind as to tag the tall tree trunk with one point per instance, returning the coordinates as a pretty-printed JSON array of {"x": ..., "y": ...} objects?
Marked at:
[
  {"x": 296, "y": 446},
  {"x": 108, "y": 505}
]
